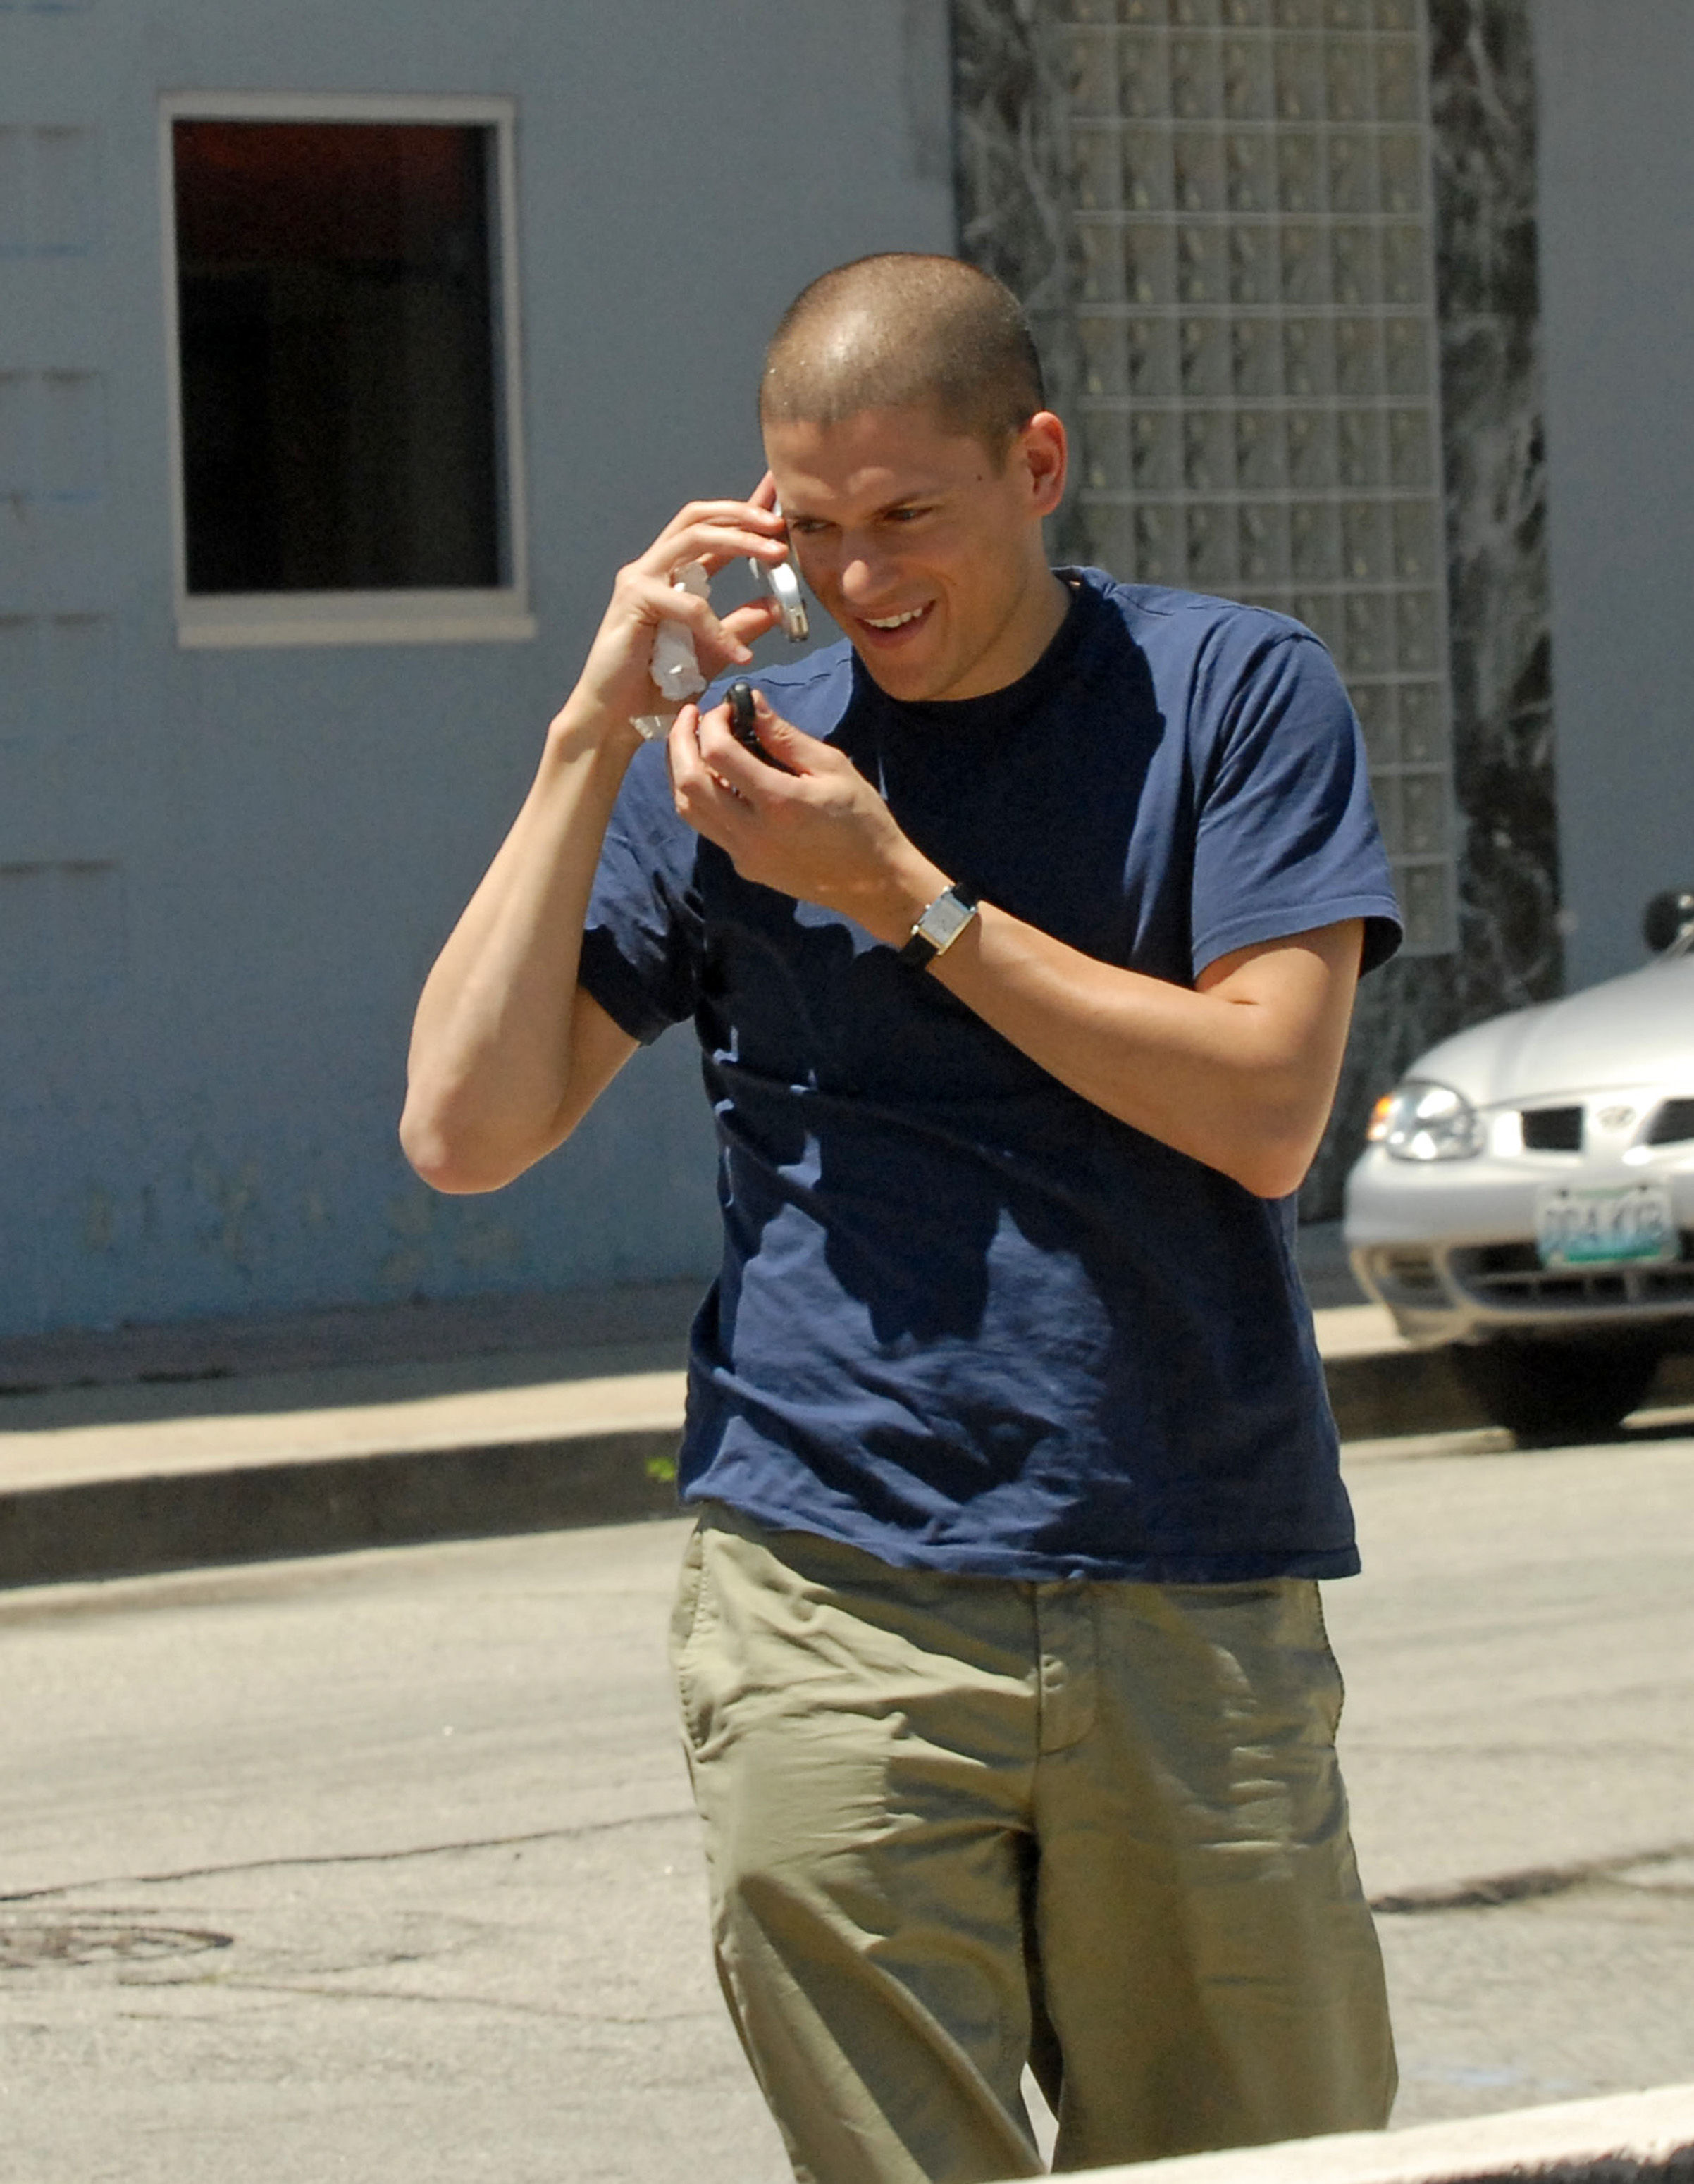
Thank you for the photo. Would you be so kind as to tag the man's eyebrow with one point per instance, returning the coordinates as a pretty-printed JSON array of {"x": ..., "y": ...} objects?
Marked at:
[{"x": 917, "y": 496}]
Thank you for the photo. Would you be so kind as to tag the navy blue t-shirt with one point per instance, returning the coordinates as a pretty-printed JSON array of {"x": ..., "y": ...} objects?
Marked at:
[{"x": 966, "y": 1320}]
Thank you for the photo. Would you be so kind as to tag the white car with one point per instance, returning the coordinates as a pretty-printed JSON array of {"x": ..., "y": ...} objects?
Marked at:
[{"x": 1527, "y": 1195}]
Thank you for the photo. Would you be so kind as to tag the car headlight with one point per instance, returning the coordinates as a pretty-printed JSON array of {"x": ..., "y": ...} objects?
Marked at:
[{"x": 1425, "y": 1122}]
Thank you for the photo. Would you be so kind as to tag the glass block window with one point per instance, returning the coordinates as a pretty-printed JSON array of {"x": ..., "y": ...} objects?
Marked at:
[{"x": 1259, "y": 414}]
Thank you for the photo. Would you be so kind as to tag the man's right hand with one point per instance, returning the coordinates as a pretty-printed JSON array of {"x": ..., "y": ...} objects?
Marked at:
[
  {"x": 616, "y": 682},
  {"x": 507, "y": 1053}
]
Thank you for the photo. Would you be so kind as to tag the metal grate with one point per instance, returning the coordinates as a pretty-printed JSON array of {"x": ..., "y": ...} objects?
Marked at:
[
  {"x": 1259, "y": 412},
  {"x": 1552, "y": 1129},
  {"x": 1674, "y": 1122},
  {"x": 1408, "y": 1277},
  {"x": 1504, "y": 1274}
]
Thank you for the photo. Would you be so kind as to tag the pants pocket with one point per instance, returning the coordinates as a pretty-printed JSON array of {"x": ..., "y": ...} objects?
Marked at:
[
  {"x": 690, "y": 1616},
  {"x": 1340, "y": 1703}
]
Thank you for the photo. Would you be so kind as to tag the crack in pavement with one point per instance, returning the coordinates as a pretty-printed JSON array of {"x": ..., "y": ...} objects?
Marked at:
[
  {"x": 312, "y": 1988},
  {"x": 1522, "y": 1887},
  {"x": 1484, "y": 1893},
  {"x": 345, "y": 1858}
]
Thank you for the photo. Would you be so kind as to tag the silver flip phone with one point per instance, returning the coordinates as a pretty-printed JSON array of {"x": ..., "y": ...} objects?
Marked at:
[{"x": 780, "y": 580}]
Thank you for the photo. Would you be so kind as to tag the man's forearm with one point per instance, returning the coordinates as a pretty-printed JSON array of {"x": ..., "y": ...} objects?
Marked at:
[
  {"x": 489, "y": 1073},
  {"x": 1240, "y": 1074}
]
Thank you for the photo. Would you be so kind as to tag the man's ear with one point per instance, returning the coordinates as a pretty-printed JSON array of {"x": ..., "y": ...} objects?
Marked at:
[{"x": 1043, "y": 453}]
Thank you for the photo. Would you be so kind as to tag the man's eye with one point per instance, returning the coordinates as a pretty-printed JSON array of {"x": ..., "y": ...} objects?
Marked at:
[{"x": 905, "y": 515}]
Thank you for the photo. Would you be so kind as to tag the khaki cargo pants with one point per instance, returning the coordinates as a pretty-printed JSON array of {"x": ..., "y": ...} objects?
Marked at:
[{"x": 957, "y": 1823}]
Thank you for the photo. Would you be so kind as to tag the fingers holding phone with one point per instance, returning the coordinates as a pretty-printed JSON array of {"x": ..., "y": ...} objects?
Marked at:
[
  {"x": 780, "y": 580},
  {"x": 743, "y": 724},
  {"x": 616, "y": 684},
  {"x": 678, "y": 670},
  {"x": 805, "y": 822}
]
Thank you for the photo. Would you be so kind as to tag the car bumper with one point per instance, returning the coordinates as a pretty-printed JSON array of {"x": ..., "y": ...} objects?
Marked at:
[{"x": 1450, "y": 1248}]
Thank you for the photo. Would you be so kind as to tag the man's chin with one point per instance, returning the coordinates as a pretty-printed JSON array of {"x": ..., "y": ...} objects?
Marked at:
[
  {"x": 897, "y": 678},
  {"x": 911, "y": 681}
]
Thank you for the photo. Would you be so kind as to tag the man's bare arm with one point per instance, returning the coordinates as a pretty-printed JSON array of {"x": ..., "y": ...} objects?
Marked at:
[
  {"x": 507, "y": 1056},
  {"x": 1238, "y": 1072}
]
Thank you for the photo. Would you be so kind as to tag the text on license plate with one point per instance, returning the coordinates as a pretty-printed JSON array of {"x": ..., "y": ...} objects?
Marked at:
[{"x": 1607, "y": 1225}]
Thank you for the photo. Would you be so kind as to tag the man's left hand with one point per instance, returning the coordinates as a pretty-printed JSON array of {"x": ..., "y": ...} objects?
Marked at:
[{"x": 810, "y": 827}]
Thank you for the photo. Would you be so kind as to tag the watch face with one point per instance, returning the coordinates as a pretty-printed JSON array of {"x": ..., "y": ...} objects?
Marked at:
[{"x": 945, "y": 920}]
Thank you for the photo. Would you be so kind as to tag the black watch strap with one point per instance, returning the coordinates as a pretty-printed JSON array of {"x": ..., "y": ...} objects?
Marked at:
[{"x": 940, "y": 926}]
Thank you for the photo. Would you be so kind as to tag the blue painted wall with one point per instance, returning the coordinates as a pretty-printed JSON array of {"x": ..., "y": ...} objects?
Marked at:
[{"x": 224, "y": 874}]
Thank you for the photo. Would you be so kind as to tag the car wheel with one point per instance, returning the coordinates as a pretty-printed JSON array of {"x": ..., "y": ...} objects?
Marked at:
[{"x": 1544, "y": 1392}]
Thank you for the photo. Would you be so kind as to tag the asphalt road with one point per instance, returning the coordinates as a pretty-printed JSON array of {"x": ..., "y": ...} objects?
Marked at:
[{"x": 382, "y": 1866}]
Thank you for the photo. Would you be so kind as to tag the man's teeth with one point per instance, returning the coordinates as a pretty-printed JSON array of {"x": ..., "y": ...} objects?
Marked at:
[{"x": 895, "y": 622}]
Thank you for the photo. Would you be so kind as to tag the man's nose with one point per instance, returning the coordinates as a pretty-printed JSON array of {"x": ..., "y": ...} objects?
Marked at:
[{"x": 866, "y": 577}]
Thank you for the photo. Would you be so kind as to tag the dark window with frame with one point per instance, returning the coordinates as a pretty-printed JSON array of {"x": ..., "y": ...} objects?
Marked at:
[{"x": 336, "y": 323}]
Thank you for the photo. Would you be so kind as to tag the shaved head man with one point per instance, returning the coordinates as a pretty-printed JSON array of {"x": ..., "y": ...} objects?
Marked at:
[
  {"x": 904, "y": 331},
  {"x": 905, "y": 421},
  {"x": 1019, "y": 938}
]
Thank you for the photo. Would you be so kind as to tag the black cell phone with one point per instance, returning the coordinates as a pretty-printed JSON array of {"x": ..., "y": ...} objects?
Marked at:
[{"x": 740, "y": 699}]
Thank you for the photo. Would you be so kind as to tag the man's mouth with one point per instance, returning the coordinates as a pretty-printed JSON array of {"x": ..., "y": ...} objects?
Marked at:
[{"x": 890, "y": 625}]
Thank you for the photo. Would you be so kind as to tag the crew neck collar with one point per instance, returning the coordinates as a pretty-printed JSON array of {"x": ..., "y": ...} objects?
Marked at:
[{"x": 995, "y": 709}]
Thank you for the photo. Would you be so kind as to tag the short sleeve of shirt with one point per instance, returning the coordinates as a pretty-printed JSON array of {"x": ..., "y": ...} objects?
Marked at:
[
  {"x": 1286, "y": 837},
  {"x": 643, "y": 938}
]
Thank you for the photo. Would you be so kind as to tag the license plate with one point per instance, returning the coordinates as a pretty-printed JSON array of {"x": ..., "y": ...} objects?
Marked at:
[{"x": 1607, "y": 1225}]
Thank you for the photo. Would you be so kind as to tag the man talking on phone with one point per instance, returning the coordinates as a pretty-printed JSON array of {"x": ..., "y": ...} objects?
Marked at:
[{"x": 1021, "y": 952}]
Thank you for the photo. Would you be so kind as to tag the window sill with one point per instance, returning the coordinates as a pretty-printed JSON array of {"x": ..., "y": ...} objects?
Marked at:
[{"x": 243, "y": 621}]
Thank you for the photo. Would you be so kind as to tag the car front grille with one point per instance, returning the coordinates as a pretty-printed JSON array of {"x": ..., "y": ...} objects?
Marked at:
[
  {"x": 1552, "y": 1129},
  {"x": 1502, "y": 1275},
  {"x": 1408, "y": 1278},
  {"x": 1674, "y": 1122},
  {"x": 1560, "y": 1130}
]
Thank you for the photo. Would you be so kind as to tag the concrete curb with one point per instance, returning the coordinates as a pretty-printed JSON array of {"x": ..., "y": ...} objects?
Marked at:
[
  {"x": 317, "y": 1505},
  {"x": 154, "y": 1515},
  {"x": 1627, "y": 2137}
]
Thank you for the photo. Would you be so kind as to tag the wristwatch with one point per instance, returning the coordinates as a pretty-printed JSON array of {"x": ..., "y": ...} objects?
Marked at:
[{"x": 940, "y": 926}]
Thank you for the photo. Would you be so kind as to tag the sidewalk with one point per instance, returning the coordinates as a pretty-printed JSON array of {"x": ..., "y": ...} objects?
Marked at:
[
  {"x": 1646, "y": 2138},
  {"x": 166, "y": 1448}
]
